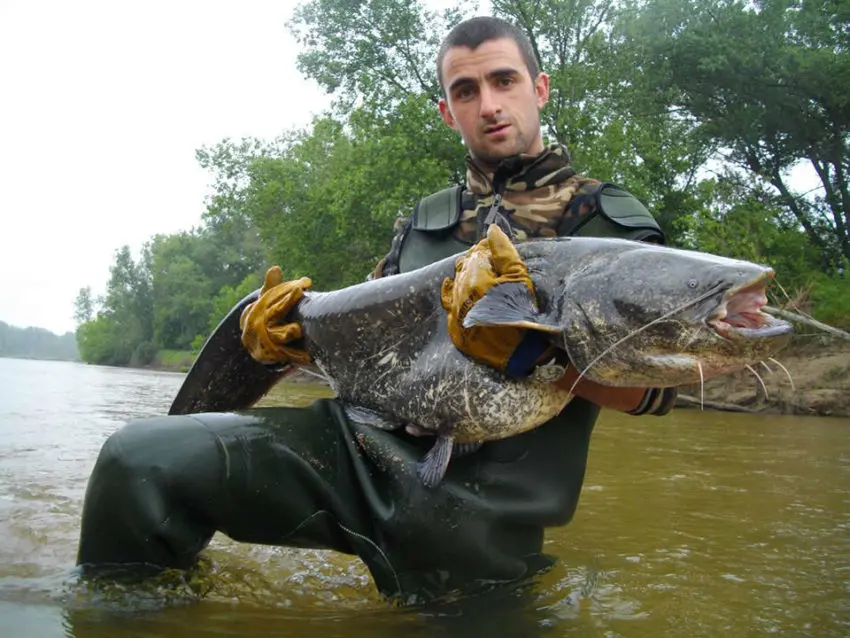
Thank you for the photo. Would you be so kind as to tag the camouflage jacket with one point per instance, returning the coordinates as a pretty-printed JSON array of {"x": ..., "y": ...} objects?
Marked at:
[{"x": 537, "y": 195}]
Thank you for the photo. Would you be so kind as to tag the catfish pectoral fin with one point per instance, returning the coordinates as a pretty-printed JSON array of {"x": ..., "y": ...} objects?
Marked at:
[
  {"x": 508, "y": 304},
  {"x": 432, "y": 468},
  {"x": 465, "y": 449}
]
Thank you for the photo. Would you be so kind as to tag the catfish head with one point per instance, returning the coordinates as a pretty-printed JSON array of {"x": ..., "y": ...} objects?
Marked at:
[{"x": 634, "y": 314}]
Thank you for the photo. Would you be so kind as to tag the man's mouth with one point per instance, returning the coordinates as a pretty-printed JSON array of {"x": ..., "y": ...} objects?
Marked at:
[{"x": 495, "y": 129}]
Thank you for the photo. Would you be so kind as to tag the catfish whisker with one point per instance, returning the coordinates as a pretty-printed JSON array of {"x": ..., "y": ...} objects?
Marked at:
[
  {"x": 785, "y": 370},
  {"x": 578, "y": 378},
  {"x": 763, "y": 386},
  {"x": 766, "y": 367},
  {"x": 701, "y": 387},
  {"x": 684, "y": 306}
]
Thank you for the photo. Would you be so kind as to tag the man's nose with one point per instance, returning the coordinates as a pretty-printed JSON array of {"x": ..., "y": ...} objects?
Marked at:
[{"x": 490, "y": 106}]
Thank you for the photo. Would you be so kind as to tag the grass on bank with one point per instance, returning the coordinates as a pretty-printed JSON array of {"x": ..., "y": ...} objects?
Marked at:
[{"x": 176, "y": 360}]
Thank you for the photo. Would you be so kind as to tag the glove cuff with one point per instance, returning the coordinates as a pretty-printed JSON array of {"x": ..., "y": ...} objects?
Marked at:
[{"x": 656, "y": 401}]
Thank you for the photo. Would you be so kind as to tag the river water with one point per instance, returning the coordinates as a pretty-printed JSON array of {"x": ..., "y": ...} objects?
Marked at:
[{"x": 693, "y": 524}]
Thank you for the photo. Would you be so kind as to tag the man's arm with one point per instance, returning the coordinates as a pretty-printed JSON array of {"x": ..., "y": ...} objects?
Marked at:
[{"x": 636, "y": 401}]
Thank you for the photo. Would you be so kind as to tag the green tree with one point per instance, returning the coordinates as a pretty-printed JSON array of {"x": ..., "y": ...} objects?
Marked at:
[
  {"x": 372, "y": 53},
  {"x": 84, "y": 306},
  {"x": 767, "y": 81},
  {"x": 746, "y": 220},
  {"x": 122, "y": 331},
  {"x": 129, "y": 295},
  {"x": 100, "y": 341},
  {"x": 325, "y": 204},
  {"x": 190, "y": 267},
  {"x": 226, "y": 298},
  {"x": 182, "y": 291}
]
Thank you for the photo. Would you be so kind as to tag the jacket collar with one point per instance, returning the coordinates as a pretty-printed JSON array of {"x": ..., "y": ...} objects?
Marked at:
[{"x": 521, "y": 172}]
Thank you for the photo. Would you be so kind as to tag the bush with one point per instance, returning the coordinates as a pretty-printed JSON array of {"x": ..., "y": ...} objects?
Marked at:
[
  {"x": 830, "y": 300},
  {"x": 174, "y": 359}
]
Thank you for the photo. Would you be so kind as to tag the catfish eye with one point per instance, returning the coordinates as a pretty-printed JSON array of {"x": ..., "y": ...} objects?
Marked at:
[{"x": 692, "y": 283}]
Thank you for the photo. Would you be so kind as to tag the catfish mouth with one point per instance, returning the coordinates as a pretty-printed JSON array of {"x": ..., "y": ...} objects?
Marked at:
[{"x": 739, "y": 314}]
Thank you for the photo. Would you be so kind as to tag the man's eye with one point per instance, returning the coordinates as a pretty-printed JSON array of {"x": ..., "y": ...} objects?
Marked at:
[
  {"x": 464, "y": 93},
  {"x": 505, "y": 81}
]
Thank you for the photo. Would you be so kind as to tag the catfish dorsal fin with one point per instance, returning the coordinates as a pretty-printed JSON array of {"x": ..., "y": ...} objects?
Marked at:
[{"x": 508, "y": 304}]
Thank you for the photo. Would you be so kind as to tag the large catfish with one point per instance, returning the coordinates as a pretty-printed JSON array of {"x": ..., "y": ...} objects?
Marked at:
[{"x": 624, "y": 313}]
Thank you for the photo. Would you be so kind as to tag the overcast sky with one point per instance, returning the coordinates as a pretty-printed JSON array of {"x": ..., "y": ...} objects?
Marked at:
[{"x": 102, "y": 106}]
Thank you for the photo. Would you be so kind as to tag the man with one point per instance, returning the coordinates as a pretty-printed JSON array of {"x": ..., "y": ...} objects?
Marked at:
[{"x": 308, "y": 477}]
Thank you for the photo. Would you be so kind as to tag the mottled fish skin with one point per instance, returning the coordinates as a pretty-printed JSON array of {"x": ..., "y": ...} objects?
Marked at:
[
  {"x": 384, "y": 344},
  {"x": 386, "y": 347}
]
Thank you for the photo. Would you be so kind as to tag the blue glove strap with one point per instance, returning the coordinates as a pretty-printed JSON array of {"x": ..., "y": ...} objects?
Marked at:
[{"x": 527, "y": 353}]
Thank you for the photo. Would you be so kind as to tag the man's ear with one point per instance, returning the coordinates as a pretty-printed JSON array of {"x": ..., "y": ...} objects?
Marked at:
[
  {"x": 541, "y": 89},
  {"x": 446, "y": 114}
]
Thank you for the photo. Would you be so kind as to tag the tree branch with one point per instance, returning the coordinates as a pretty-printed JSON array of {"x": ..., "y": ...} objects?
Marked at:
[
  {"x": 841, "y": 180},
  {"x": 833, "y": 201},
  {"x": 808, "y": 321},
  {"x": 774, "y": 178},
  {"x": 527, "y": 22},
  {"x": 687, "y": 401},
  {"x": 413, "y": 64},
  {"x": 581, "y": 40}
]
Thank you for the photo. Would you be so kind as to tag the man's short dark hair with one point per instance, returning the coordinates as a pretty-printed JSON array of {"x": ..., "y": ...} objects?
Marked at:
[{"x": 474, "y": 32}]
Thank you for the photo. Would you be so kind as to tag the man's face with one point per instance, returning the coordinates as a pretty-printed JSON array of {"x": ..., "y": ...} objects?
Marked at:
[{"x": 493, "y": 102}]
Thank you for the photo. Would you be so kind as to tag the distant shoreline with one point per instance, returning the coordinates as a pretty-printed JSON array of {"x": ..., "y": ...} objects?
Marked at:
[
  {"x": 37, "y": 358},
  {"x": 820, "y": 370}
]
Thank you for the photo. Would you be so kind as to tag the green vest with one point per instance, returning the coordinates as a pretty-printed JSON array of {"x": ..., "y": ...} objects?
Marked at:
[{"x": 429, "y": 235}]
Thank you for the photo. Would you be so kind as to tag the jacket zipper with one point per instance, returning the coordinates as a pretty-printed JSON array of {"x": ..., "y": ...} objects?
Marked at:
[{"x": 499, "y": 183}]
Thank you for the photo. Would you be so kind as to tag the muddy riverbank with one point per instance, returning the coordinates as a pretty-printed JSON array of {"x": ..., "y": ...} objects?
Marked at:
[{"x": 819, "y": 383}]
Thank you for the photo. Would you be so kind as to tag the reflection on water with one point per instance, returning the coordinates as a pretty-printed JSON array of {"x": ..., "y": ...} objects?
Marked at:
[{"x": 694, "y": 524}]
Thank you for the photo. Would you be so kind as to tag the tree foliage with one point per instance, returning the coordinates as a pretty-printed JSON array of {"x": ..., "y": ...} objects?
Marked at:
[
  {"x": 766, "y": 81},
  {"x": 372, "y": 53},
  {"x": 324, "y": 200},
  {"x": 165, "y": 298}
]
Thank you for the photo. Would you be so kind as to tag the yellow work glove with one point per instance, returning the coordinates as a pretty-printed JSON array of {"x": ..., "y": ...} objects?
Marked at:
[
  {"x": 494, "y": 260},
  {"x": 264, "y": 333}
]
